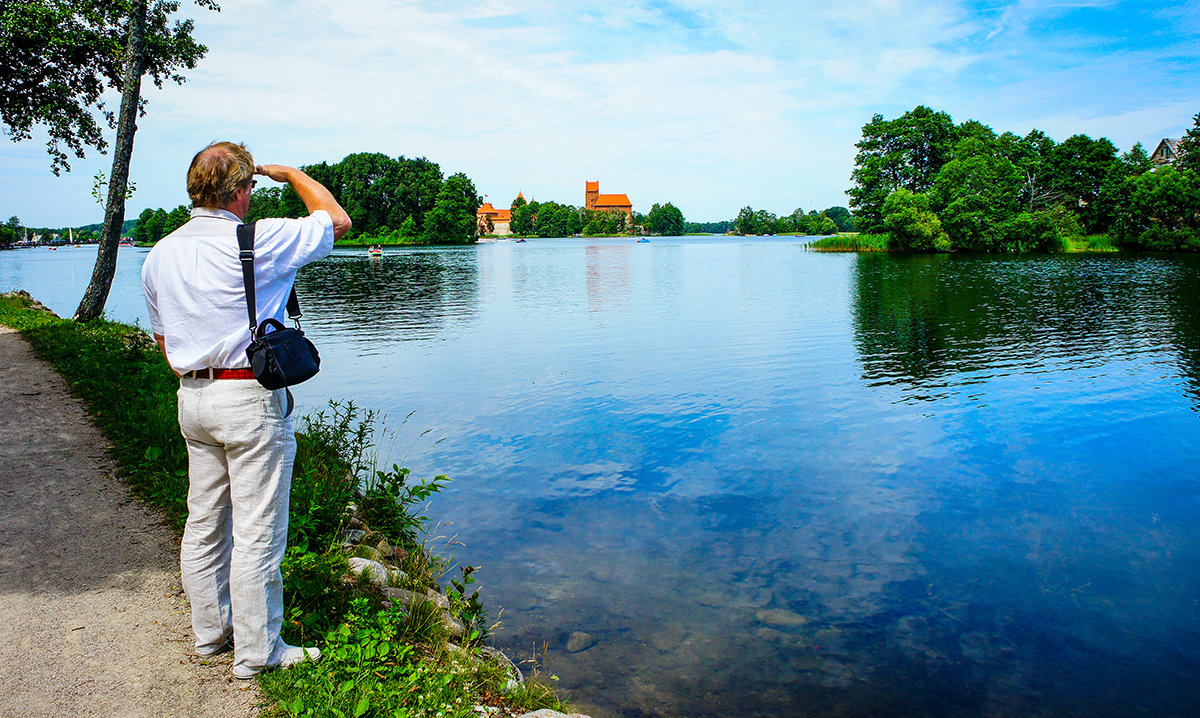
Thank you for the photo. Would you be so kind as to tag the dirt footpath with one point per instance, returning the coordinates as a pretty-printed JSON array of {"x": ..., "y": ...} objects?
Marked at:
[{"x": 92, "y": 618}]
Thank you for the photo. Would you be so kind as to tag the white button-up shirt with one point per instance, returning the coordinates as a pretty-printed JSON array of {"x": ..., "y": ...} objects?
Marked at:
[{"x": 195, "y": 293}]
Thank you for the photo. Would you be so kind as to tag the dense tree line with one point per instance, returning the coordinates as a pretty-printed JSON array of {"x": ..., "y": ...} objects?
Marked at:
[
  {"x": 389, "y": 200},
  {"x": 933, "y": 185},
  {"x": 750, "y": 221},
  {"x": 545, "y": 219},
  {"x": 154, "y": 224},
  {"x": 551, "y": 219},
  {"x": 708, "y": 227}
]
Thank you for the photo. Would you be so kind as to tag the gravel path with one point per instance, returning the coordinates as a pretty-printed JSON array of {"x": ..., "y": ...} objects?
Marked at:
[{"x": 92, "y": 618}]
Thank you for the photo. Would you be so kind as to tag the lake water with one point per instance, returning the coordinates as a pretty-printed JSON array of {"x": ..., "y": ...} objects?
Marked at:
[{"x": 771, "y": 482}]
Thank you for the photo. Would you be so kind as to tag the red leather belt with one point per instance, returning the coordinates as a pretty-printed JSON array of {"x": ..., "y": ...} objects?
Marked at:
[{"x": 211, "y": 373}]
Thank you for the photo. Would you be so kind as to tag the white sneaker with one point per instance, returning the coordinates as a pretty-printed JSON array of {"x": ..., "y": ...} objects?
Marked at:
[
  {"x": 291, "y": 656},
  {"x": 296, "y": 654}
]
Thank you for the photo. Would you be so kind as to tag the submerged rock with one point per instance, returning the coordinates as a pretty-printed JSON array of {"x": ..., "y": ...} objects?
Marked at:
[
  {"x": 781, "y": 617},
  {"x": 578, "y": 642},
  {"x": 669, "y": 637}
]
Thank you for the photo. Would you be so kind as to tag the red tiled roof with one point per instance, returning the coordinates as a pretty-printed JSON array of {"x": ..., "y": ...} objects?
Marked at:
[
  {"x": 591, "y": 186},
  {"x": 613, "y": 200},
  {"x": 487, "y": 210}
]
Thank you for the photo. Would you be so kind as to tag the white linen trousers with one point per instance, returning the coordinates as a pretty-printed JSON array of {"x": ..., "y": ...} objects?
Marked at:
[{"x": 241, "y": 447}]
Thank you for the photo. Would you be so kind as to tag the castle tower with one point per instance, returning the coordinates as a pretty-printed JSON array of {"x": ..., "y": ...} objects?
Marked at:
[{"x": 591, "y": 192}]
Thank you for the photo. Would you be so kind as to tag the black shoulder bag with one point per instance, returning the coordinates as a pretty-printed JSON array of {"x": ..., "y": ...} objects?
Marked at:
[{"x": 278, "y": 356}]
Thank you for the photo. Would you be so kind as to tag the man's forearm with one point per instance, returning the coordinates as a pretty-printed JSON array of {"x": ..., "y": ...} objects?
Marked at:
[{"x": 312, "y": 193}]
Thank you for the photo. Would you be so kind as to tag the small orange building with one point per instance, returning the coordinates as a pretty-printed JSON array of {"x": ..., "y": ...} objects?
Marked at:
[
  {"x": 592, "y": 199},
  {"x": 501, "y": 219}
]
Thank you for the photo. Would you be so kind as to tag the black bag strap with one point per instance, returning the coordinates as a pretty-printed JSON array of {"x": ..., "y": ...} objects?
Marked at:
[{"x": 245, "y": 237}]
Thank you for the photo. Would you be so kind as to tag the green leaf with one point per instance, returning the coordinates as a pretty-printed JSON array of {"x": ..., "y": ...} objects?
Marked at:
[{"x": 364, "y": 704}]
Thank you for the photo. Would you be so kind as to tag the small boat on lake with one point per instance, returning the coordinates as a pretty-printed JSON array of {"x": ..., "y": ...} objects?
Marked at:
[{"x": 375, "y": 251}]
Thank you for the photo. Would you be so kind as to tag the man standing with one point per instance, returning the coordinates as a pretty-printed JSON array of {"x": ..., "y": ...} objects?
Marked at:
[{"x": 239, "y": 437}]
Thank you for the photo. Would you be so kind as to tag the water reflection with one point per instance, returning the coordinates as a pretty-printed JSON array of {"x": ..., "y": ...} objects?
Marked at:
[
  {"x": 1185, "y": 325},
  {"x": 399, "y": 297},
  {"x": 935, "y": 322},
  {"x": 608, "y": 275}
]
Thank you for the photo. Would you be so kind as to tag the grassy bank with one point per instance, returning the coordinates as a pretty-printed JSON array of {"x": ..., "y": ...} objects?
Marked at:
[
  {"x": 382, "y": 656},
  {"x": 851, "y": 243},
  {"x": 1096, "y": 243},
  {"x": 1099, "y": 243}
]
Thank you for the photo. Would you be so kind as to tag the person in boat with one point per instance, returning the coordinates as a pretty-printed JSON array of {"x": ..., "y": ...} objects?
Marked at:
[{"x": 239, "y": 436}]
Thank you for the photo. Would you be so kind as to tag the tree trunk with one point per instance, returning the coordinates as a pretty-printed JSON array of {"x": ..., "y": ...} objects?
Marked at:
[{"x": 92, "y": 304}]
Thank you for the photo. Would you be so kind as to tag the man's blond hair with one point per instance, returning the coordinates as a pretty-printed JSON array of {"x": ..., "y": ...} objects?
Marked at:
[{"x": 217, "y": 172}]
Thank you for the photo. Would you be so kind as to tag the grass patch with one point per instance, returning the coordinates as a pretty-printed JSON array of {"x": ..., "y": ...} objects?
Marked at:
[
  {"x": 1092, "y": 243},
  {"x": 851, "y": 242},
  {"x": 380, "y": 658}
]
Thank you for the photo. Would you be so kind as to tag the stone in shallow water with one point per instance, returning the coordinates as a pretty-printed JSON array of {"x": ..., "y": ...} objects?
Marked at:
[
  {"x": 669, "y": 637},
  {"x": 752, "y": 598},
  {"x": 579, "y": 642},
  {"x": 770, "y": 634},
  {"x": 781, "y": 617}
]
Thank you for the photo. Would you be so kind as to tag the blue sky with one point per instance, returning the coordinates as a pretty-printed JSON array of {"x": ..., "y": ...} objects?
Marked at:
[{"x": 709, "y": 105}]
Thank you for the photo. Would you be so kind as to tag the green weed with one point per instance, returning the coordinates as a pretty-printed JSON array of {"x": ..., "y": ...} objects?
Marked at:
[
  {"x": 851, "y": 243},
  {"x": 367, "y": 668}
]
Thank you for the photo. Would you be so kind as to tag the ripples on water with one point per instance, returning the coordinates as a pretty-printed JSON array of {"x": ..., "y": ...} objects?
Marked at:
[{"x": 772, "y": 482}]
